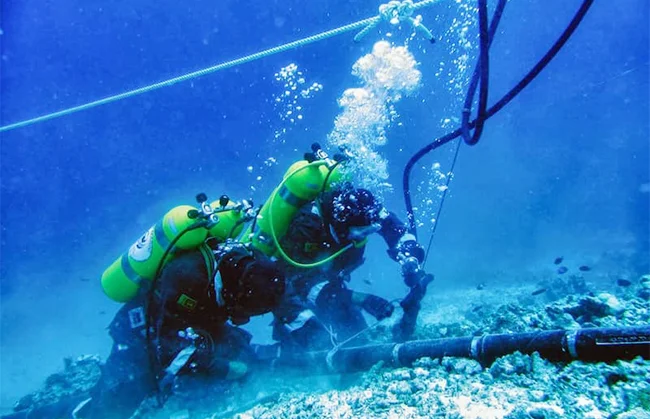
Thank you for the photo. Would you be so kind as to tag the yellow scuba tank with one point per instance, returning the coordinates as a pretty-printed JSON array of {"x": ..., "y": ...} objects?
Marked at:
[
  {"x": 184, "y": 226},
  {"x": 301, "y": 184}
]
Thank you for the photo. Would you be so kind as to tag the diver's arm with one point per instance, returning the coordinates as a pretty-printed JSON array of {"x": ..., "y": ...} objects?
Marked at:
[
  {"x": 402, "y": 245},
  {"x": 392, "y": 228},
  {"x": 374, "y": 305},
  {"x": 404, "y": 248}
]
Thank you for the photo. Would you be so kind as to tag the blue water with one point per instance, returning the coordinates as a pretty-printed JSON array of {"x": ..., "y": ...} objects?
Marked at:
[{"x": 563, "y": 170}]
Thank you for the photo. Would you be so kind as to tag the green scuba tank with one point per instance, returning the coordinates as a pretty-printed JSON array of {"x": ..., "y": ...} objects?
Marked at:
[
  {"x": 123, "y": 278},
  {"x": 301, "y": 184}
]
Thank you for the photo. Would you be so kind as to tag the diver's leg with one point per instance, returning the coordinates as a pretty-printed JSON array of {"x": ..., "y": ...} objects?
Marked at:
[
  {"x": 411, "y": 305},
  {"x": 335, "y": 307},
  {"x": 126, "y": 378},
  {"x": 296, "y": 327}
]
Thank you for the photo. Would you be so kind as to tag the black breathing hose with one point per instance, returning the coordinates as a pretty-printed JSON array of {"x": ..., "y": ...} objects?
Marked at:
[
  {"x": 481, "y": 74},
  {"x": 471, "y": 91}
]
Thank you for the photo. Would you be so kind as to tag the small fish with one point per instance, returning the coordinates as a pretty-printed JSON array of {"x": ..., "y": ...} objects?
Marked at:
[
  {"x": 480, "y": 286},
  {"x": 538, "y": 292},
  {"x": 84, "y": 279},
  {"x": 477, "y": 308},
  {"x": 367, "y": 281},
  {"x": 584, "y": 268},
  {"x": 623, "y": 282},
  {"x": 102, "y": 312},
  {"x": 562, "y": 270},
  {"x": 558, "y": 260}
]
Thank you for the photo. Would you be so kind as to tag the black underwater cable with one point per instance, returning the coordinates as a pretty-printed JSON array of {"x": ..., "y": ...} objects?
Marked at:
[
  {"x": 585, "y": 344},
  {"x": 480, "y": 119},
  {"x": 482, "y": 73}
]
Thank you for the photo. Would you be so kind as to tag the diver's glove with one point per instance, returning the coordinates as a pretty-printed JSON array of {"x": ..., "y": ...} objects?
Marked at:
[
  {"x": 403, "y": 330},
  {"x": 420, "y": 281},
  {"x": 180, "y": 361},
  {"x": 377, "y": 307},
  {"x": 410, "y": 255},
  {"x": 166, "y": 384}
]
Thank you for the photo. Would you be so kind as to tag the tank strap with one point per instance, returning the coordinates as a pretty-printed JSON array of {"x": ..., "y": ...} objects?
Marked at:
[
  {"x": 130, "y": 273},
  {"x": 291, "y": 198},
  {"x": 263, "y": 237},
  {"x": 161, "y": 237}
]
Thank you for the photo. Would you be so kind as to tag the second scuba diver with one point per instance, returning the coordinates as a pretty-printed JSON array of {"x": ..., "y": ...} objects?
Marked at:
[{"x": 316, "y": 223}]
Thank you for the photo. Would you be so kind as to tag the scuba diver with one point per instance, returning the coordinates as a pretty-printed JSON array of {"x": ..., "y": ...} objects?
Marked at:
[
  {"x": 193, "y": 305},
  {"x": 185, "y": 320},
  {"x": 187, "y": 284},
  {"x": 316, "y": 223}
]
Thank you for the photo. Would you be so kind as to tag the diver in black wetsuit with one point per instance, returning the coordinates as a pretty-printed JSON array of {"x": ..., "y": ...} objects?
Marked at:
[
  {"x": 319, "y": 301},
  {"x": 316, "y": 224},
  {"x": 198, "y": 292}
]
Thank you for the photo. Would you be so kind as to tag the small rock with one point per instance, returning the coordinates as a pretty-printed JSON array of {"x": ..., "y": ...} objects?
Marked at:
[
  {"x": 462, "y": 366},
  {"x": 402, "y": 375},
  {"x": 427, "y": 363},
  {"x": 545, "y": 411},
  {"x": 644, "y": 294},
  {"x": 400, "y": 388},
  {"x": 637, "y": 413},
  {"x": 614, "y": 306},
  {"x": 644, "y": 281},
  {"x": 420, "y": 372},
  {"x": 644, "y": 288},
  {"x": 516, "y": 363},
  {"x": 438, "y": 385},
  {"x": 538, "y": 396},
  {"x": 590, "y": 307}
]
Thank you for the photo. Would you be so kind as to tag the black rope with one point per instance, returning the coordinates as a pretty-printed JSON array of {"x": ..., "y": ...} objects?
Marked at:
[
  {"x": 480, "y": 72},
  {"x": 442, "y": 202},
  {"x": 525, "y": 81}
]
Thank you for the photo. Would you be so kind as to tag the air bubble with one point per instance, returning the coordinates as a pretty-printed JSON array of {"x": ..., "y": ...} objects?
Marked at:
[{"x": 387, "y": 74}]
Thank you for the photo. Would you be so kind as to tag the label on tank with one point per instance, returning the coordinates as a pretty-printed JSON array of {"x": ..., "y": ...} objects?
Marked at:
[{"x": 141, "y": 250}]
